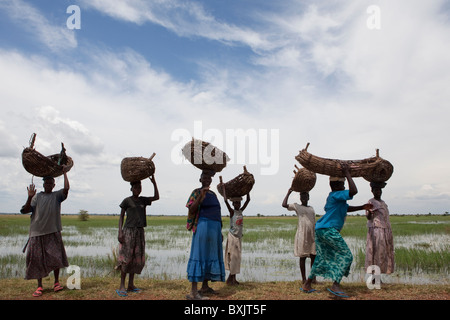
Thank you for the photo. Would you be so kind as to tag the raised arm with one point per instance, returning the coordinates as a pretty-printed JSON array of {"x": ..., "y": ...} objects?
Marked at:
[
  {"x": 285, "y": 204},
  {"x": 246, "y": 202},
  {"x": 225, "y": 198},
  {"x": 66, "y": 182},
  {"x": 351, "y": 184},
  {"x": 156, "y": 196},
  {"x": 31, "y": 193}
]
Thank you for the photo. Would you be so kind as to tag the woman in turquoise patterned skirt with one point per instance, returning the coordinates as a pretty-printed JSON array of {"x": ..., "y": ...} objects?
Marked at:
[{"x": 334, "y": 258}]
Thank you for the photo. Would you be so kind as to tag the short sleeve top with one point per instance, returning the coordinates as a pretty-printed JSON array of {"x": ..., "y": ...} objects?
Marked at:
[
  {"x": 136, "y": 211},
  {"x": 380, "y": 218},
  {"x": 306, "y": 214},
  {"x": 237, "y": 224},
  {"x": 46, "y": 213},
  {"x": 335, "y": 210}
]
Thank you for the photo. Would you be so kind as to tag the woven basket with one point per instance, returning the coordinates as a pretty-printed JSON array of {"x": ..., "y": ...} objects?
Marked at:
[
  {"x": 239, "y": 186},
  {"x": 44, "y": 166},
  {"x": 137, "y": 168},
  {"x": 381, "y": 173},
  {"x": 332, "y": 167},
  {"x": 304, "y": 180},
  {"x": 205, "y": 156}
]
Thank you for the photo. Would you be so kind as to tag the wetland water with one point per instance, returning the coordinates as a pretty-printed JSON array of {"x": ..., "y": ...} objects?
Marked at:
[{"x": 269, "y": 258}]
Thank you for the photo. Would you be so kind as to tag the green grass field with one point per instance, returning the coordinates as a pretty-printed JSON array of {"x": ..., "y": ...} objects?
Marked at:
[
  {"x": 354, "y": 226},
  {"x": 421, "y": 246},
  {"x": 421, "y": 242}
]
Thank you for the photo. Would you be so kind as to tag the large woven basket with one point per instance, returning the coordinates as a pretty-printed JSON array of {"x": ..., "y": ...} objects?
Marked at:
[
  {"x": 204, "y": 155},
  {"x": 239, "y": 186},
  {"x": 45, "y": 166},
  {"x": 304, "y": 180},
  {"x": 137, "y": 168},
  {"x": 372, "y": 168},
  {"x": 381, "y": 173}
]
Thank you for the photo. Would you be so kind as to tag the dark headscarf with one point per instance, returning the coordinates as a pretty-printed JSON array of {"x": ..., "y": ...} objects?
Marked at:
[
  {"x": 381, "y": 184},
  {"x": 210, "y": 173}
]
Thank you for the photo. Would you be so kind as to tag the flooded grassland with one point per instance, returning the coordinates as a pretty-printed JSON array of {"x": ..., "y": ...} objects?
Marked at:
[{"x": 421, "y": 243}]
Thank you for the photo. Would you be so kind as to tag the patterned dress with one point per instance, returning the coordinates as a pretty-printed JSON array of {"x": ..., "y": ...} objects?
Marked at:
[
  {"x": 45, "y": 249},
  {"x": 334, "y": 258},
  {"x": 233, "y": 249},
  {"x": 380, "y": 241},
  {"x": 131, "y": 257},
  {"x": 45, "y": 253}
]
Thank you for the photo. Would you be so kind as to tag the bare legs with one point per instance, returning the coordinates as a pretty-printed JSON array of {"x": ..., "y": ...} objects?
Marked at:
[
  {"x": 302, "y": 263},
  {"x": 195, "y": 295},
  {"x": 56, "y": 285},
  {"x": 131, "y": 285}
]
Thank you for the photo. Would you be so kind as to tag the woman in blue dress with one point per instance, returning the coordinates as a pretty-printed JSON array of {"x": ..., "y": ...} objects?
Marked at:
[{"x": 205, "y": 221}]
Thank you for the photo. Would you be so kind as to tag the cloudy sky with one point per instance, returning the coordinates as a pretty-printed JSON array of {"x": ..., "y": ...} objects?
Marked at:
[{"x": 113, "y": 79}]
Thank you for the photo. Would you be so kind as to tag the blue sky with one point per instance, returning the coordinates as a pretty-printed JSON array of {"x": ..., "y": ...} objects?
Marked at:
[{"x": 141, "y": 76}]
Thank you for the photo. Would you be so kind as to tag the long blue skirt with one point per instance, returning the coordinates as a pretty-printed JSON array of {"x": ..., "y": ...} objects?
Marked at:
[{"x": 206, "y": 258}]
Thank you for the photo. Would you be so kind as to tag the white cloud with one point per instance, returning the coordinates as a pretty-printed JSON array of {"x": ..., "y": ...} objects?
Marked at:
[
  {"x": 7, "y": 142},
  {"x": 80, "y": 138},
  {"x": 426, "y": 192},
  {"x": 184, "y": 18},
  {"x": 325, "y": 79},
  {"x": 54, "y": 36}
]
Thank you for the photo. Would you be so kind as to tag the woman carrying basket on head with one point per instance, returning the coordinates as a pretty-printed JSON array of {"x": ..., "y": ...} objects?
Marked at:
[
  {"x": 380, "y": 241},
  {"x": 206, "y": 257},
  {"x": 334, "y": 258},
  {"x": 131, "y": 235},
  {"x": 45, "y": 248}
]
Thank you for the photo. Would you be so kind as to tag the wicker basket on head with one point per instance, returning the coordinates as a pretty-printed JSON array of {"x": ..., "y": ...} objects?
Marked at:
[
  {"x": 239, "y": 186},
  {"x": 304, "y": 180},
  {"x": 137, "y": 168},
  {"x": 205, "y": 156},
  {"x": 381, "y": 173},
  {"x": 45, "y": 166},
  {"x": 333, "y": 168}
]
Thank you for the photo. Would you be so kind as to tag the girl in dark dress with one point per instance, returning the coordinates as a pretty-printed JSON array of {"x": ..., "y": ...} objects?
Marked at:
[{"x": 131, "y": 237}]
